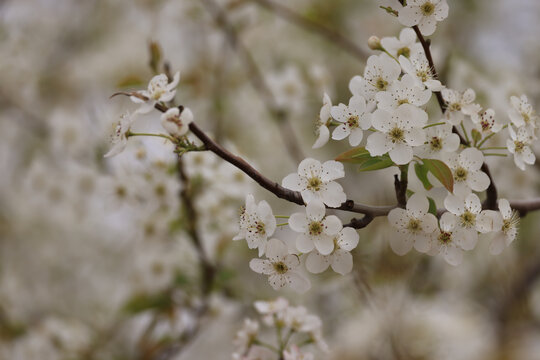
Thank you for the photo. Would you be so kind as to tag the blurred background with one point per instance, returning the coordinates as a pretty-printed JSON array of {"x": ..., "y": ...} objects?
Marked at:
[{"x": 98, "y": 257}]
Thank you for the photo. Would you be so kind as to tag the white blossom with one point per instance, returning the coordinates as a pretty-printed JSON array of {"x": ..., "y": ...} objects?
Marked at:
[
  {"x": 257, "y": 224},
  {"x": 280, "y": 266},
  {"x": 316, "y": 181},
  {"x": 402, "y": 46},
  {"x": 246, "y": 336},
  {"x": 503, "y": 222},
  {"x": 398, "y": 132},
  {"x": 294, "y": 353},
  {"x": 424, "y": 13},
  {"x": 418, "y": 66},
  {"x": 522, "y": 112},
  {"x": 459, "y": 105},
  {"x": 119, "y": 137},
  {"x": 414, "y": 225},
  {"x": 322, "y": 131},
  {"x": 340, "y": 259},
  {"x": 439, "y": 139},
  {"x": 354, "y": 119},
  {"x": 404, "y": 91},
  {"x": 316, "y": 229},
  {"x": 466, "y": 171},
  {"x": 467, "y": 211},
  {"x": 175, "y": 123},
  {"x": 447, "y": 240},
  {"x": 380, "y": 71},
  {"x": 519, "y": 144},
  {"x": 159, "y": 90},
  {"x": 485, "y": 122}
]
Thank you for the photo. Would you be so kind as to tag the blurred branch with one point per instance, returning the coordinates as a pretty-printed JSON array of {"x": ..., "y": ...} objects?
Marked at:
[
  {"x": 314, "y": 27},
  {"x": 257, "y": 79}
]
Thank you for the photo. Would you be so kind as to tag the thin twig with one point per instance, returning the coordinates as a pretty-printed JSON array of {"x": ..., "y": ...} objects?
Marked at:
[
  {"x": 314, "y": 27},
  {"x": 257, "y": 79}
]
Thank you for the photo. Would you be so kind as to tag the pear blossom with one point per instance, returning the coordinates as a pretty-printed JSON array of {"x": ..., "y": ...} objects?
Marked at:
[
  {"x": 440, "y": 139},
  {"x": 255, "y": 352},
  {"x": 404, "y": 91},
  {"x": 399, "y": 131},
  {"x": 459, "y": 104},
  {"x": 175, "y": 123},
  {"x": 299, "y": 320},
  {"x": 503, "y": 222},
  {"x": 467, "y": 211},
  {"x": 522, "y": 112},
  {"x": 424, "y": 13},
  {"x": 316, "y": 181},
  {"x": 354, "y": 119},
  {"x": 272, "y": 311},
  {"x": 246, "y": 336},
  {"x": 257, "y": 224},
  {"x": 447, "y": 241},
  {"x": 340, "y": 259},
  {"x": 418, "y": 66},
  {"x": 402, "y": 46},
  {"x": 280, "y": 266},
  {"x": 294, "y": 353},
  {"x": 323, "y": 133},
  {"x": 414, "y": 225},
  {"x": 316, "y": 229},
  {"x": 159, "y": 90},
  {"x": 119, "y": 137},
  {"x": 519, "y": 144},
  {"x": 380, "y": 71},
  {"x": 485, "y": 122},
  {"x": 466, "y": 171}
]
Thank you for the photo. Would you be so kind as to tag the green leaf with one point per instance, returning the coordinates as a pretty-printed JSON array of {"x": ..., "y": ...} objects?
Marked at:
[
  {"x": 362, "y": 157},
  {"x": 421, "y": 172},
  {"x": 441, "y": 171},
  {"x": 376, "y": 163},
  {"x": 356, "y": 155},
  {"x": 432, "y": 206},
  {"x": 476, "y": 136}
]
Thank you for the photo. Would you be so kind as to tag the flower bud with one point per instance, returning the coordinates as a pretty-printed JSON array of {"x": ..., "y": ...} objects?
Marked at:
[{"x": 374, "y": 43}]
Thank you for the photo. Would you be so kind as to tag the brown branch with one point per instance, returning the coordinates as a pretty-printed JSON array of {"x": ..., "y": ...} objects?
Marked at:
[
  {"x": 491, "y": 192},
  {"x": 256, "y": 78},
  {"x": 314, "y": 27}
]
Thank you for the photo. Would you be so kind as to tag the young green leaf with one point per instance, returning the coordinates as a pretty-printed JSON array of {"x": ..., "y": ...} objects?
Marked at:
[
  {"x": 432, "y": 206},
  {"x": 421, "y": 172},
  {"x": 441, "y": 171},
  {"x": 376, "y": 163}
]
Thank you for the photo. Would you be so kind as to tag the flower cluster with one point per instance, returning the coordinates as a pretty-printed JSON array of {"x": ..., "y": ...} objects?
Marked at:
[{"x": 294, "y": 326}]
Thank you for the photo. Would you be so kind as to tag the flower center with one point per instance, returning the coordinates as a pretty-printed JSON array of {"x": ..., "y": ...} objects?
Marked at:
[
  {"x": 455, "y": 107},
  {"x": 520, "y": 145},
  {"x": 260, "y": 227},
  {"x": 314, "y": 184},
  {"x": 280, "y": 267},
  {"x": 381, "y": 84},
  {"x": 405, "y": 51},
  {"x": 352, "y": 121},
  {"x": 468, "y": 219},
  {"x": 427, "y": 8},
  {"x": 315, "y": 228},
  {"x": 445, "y": 237},
  {"x": 414, "y": 226},
  {"x": 526, "y": 117},
  {"x": 423, "y": 75},
  {"x": 460, "y": 174},
  {"x": 435, "y": 143},
  {"x": 486, "y": 125},
  {"x": 510, "y": 223},
  {"x": 403, "y": 101},
  {"x": 397, "y": 135}
]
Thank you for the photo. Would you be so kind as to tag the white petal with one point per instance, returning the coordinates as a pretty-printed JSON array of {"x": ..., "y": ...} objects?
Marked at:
[
  {"x": 471, "y": 159},
  {"x": 332, "y": 225},
  {"x": 317, "y": 263},
  {"x": 298, "y": 222},
  {"x": 454, "y": 204},
  {"x": 401, "y": 154},
  {"x": 356, "y": 137},
  {"x": 276, "y": 249},
  {"x": 497, "y": 244},
  {"x": 309, "y": 168},
  {"x": 409, "y": 16},
  {"x": 315, "y": 210},
  {"x": 472, "y": 202},
  {"x": 453, "y": 255},
  {"x": 332, "y": 170},
  {"x": 401, "y": 244},
  {"x": 422, "y": 243},
  {"x": 504, "y": 208},
  {"x": 293, "y": 182},
  {"x": 261, "y": 266},
  {"x": 304, "y": 243},
  {"x": 448, "y": 221},
  {"x": 398, "y": 218},
  {"x": 324, "y": 244},
  {"x": 478, "y": 181},
  {"x": 322, "y": 139},
  {"x": 417, "y": 205},
  {"x": 298, "y": 282},
  {"x": 342, "y": 262},
  {"x": 333, "y": 195},
  {"x": 377, "y": 144},
  {"x": 467, "y": 238},
  {"x": 277, "y": 281},
  {"x": 348, "y": 239},
  {"x": 488, "y": 221},
  {"x": 341, "y": 132}
]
